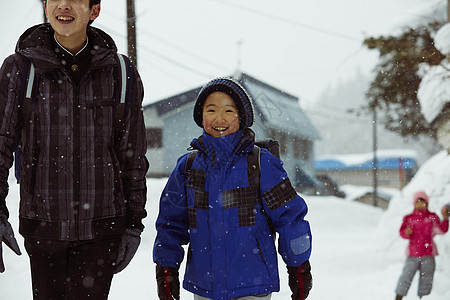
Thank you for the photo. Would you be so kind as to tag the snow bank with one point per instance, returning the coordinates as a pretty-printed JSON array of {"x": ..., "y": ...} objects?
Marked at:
[{"x": 434, "y": 178}]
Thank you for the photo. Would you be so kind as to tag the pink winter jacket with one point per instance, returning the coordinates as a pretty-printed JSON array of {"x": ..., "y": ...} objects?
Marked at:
[{"x": 425, "y": 225}]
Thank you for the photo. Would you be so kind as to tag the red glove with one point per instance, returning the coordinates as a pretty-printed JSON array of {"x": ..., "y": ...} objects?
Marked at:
[
  {"x": 168, "y": 283},
  {"x": 300, "y": 281}
]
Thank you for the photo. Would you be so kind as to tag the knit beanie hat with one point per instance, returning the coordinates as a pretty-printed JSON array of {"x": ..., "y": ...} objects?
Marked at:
[
  {"x": 421, "y": 195},
  {"x": 235, "y": 91}
]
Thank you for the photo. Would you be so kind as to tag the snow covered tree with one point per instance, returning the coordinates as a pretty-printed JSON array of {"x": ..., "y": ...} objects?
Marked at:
[{"x": 394, "y": 88}]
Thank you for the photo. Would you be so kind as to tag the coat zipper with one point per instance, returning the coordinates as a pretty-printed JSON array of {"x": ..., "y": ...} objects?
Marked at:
[
  {"x": 76, "y": 159},
  {"x": 260, "y": 251}
]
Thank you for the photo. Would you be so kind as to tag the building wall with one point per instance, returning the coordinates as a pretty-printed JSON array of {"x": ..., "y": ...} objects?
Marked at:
[
  {"x": 368, "y": 199},
  {"x": 386, "y": 178},
  {"x": 179, "y": 128}
]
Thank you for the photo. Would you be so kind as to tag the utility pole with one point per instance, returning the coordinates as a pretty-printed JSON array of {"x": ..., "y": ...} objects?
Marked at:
[
  {"x": 131, "y": 31},
  {"x": 239, "y": 45},
  {"x": 448, "y": 10},
  {"x": 375, "y": 163}
]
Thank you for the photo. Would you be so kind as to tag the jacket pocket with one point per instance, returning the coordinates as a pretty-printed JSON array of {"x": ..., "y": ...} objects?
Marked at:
[
  {"x": 115, "y": 179},
  {"x": 100, "y": 103},
  {"x": 199, "y": 272},
  {"x": 249, "y": 265},
  {"x": 101, "y": 113},
  {"x": 262, "y": 256}
]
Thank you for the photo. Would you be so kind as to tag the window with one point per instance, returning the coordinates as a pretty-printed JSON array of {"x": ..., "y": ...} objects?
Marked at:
[
  {"x": 272, "y": 134},
  {"x": 154, "y": 137},
  {"x": 306, "y": 147},
  {"x": 297, "y": 145}
]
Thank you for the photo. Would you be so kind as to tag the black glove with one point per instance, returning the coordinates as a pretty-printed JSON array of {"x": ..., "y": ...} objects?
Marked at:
[
  {"x": 300, "y": 281},
  {"x": 168, "y": 283},
  {"x": 7, "y": 237},
  {"x": 128, "y": 247}
]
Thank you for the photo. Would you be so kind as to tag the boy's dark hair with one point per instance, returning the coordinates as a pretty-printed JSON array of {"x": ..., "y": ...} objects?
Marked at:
[{"x": 93, "y": 2}]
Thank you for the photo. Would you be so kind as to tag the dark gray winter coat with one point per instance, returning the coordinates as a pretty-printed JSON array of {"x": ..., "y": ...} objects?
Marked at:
[{"x": 76, "y": 182}]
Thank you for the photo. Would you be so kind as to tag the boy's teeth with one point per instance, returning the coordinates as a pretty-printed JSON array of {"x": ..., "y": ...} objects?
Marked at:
[{"x": 65, "y": 18}]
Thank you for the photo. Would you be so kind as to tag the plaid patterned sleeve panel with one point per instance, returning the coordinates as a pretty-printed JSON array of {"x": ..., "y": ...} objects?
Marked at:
[{"x": 280, "y": 194}]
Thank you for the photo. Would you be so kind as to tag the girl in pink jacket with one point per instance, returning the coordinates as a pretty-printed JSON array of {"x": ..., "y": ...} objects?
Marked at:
[{"x": 420, "y": 227}]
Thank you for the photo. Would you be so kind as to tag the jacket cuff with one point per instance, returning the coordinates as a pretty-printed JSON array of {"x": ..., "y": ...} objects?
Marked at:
[
  {"x": 134, "y": 219},
  {"x": 3, "y": 209}
]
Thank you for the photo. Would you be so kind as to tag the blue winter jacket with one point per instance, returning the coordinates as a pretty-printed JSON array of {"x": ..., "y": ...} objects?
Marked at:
[{"x": 231, "y": 248}]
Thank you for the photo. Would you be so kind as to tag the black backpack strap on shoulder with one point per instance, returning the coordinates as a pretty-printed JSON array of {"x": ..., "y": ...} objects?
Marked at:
[
  {"x": 122, "y": 93},
  {"x": 272, "y": 145},
  {"x": 189, "y": 161},
  {"x": 187, "y": 168},
  {"x": 254, "y": 176},
  {"x": 254, "y": 168}
]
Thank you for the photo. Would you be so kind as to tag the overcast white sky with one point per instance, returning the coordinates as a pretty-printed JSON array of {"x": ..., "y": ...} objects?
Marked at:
[{"x": 296, "y": 45}]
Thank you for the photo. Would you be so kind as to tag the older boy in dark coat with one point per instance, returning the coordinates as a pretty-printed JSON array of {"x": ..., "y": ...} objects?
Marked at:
[{"x": 83, "y": 189}]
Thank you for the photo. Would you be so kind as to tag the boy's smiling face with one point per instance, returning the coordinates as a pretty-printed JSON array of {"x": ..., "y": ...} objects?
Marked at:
[
  {"x": 69, "y": 19},
  {"x": 220, "y": 115}
]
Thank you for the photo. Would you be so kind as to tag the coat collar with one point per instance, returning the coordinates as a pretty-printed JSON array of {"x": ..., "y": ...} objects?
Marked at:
[
  {"x": 36, "y": 44},
  {"x": 238, "y": 143}
]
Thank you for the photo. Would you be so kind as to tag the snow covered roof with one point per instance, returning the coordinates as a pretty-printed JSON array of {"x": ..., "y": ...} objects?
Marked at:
[
  {"x": 386, "y": 160},
  {"x": 277, "y": 109}
]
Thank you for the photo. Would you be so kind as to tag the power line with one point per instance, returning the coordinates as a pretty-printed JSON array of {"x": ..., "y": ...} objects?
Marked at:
[
  {"x": 164, "y": 57},
  {"x": 176, "y": 47},
  {"x": 167, "y": 43},
  {"x": 295, "y": 23},
  {"x": 177, "y": 63}
]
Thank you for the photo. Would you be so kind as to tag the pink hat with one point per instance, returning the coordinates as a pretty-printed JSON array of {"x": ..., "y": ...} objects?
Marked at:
[{"x": 421, "y": 195}]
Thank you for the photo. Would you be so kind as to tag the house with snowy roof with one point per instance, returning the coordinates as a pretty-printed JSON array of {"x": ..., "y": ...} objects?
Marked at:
[
  {"x": 395, "y": 168},
  {"x": 278, "y": 115}
]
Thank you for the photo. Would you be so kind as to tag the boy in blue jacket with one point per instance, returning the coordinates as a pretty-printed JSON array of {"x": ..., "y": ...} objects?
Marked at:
[{"x": 224, "y": 219}]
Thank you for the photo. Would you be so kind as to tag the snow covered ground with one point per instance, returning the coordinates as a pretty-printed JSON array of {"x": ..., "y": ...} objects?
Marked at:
[{"x": 357, "y": 253}]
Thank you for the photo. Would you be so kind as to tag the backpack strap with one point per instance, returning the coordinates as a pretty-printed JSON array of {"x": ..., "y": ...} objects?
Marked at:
[
  {"x": 27, "y": 95},
  {"x": 254, "y": 176},
  {"x": 189, "y": 161},
  {"x": 254, "y": 167},
  {"x": 253, "y": 171},
  {"x": 272, "y": 145},
  {"x": 28, "y": 91},
  {"x": 122, "y": 92},
  {"x": 187, "y": 168}
]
